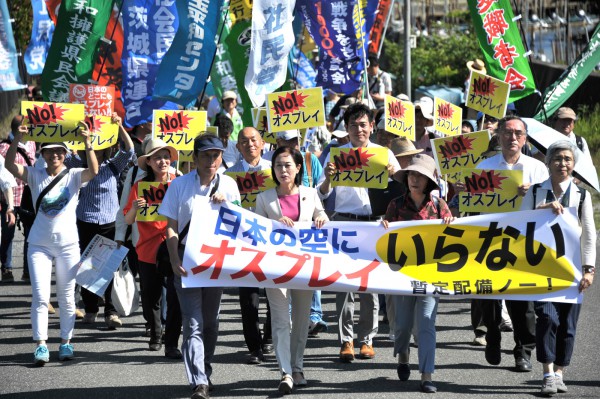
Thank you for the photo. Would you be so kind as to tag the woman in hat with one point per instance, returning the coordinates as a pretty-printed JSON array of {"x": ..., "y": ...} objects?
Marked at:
[
  {"x": 417, "y": 204},
  {"x": 53, "y": 236},
  {"x": 290, "y": 202},
  {"x": 156, "y": 162}
]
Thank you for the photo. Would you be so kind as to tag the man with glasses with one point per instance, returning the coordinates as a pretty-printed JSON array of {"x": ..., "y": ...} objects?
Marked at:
[{"x": 512, "y": 134}]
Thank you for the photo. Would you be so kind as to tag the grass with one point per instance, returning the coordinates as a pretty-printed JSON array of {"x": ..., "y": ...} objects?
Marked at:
[{"x": 587, "y": 126}]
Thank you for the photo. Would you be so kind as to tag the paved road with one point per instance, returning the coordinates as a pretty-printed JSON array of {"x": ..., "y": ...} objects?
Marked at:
[{"x": 117, "y": 364}]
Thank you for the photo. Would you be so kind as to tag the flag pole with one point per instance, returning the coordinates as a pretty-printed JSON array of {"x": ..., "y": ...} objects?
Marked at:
[{"x": 112, "y": 34}]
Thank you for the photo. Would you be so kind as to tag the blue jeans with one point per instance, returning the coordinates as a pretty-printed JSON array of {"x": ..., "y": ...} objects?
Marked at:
[
  {"x": 316, "y": 313},
  {"x": 425, "y": 310},
  {"x": 200, "y": 318}
]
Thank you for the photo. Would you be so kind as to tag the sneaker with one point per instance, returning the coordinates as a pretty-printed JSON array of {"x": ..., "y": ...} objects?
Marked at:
[
  {"x": 366, "y": 351},
  {"x": 41, "y": 355},
  {"x": 560, "y": 385},
  {"x": 113, "y": 322},
  {"x": 65, "y": 352},
  {"x": 549, "y": 386},
  {"x": 78, "y": 314},
  {"x": 51, "y": 309},
  {"x": 299, "y": 379},
  {"x": 392, "y": 337},
  {"x": 316, "y": 327},
  {"x": 286, "y": 385},
  {"x": 347, "y": 352},
  {"x": 479, "y": 341},
  {"x": 7, "y": 276},
  {"x": 89, "y": 318}
]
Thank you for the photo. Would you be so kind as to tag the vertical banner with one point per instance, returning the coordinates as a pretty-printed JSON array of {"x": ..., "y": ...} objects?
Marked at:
[
  {"x": 302, "y": 70},
  {"x": 447, "y": 117},
  {"x": 572, "y": 77},
  {"x": 272, "y": 40},
  {"x": 185, "y": 68},
  {"x": 488, "y": 95},
  {"x": 81, "y": 25},
  {"x": 378, "y": 28},
  {"x": 150, "y": 27},
  {"x": 400, "y": 117},
  {"x": 42, "y": 30},
  {"x": 9, "y": 66},
  {"x": 500, "y": 42}
]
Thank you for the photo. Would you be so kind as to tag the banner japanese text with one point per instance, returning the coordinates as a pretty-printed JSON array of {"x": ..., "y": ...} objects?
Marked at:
[
  {"x": 153, "y": 193},
  {"x": 360, "y": 167},
  {"x": 295, "y": 109},
  {"x": 104, "y": 133},
  {"x": 400, "y": 117},
  {"x": 487, "y": 95},
  {"x": 52, "y": 122},
  {"x": 490, "y": 190},
  {"x": 98, "y": 100},
  {"x": 447, "y": 117},
  {"x": 42, "y": 29},
  {"x": 178, "y": 128},
  {"x": 252, "y": 183},
  {"x": 10, "y": 79},
  {"x": 455, "y": 153}
]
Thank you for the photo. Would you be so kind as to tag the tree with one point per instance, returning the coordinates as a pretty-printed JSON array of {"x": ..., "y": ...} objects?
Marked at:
[{"x": 22, "y": 12}]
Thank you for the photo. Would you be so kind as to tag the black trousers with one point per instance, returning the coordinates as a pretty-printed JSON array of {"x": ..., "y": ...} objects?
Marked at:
[
  {"x": 522, "y": 315},
  {"x": 87, "y": 231},
  {"x": 249, "y": 304},
  {"x": 153, "y": 283}
]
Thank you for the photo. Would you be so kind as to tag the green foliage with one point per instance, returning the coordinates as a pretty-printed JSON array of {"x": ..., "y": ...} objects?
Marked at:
[
  {"x": 22, "y": 13},
  {"x": 436, "y": 60},
  {"x": 587, "y": 126}
]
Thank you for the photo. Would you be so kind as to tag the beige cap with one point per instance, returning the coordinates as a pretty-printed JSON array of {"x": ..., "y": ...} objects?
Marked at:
[
  {"x": 229, "y": 95},
  {"x": 566, "y": 113}
]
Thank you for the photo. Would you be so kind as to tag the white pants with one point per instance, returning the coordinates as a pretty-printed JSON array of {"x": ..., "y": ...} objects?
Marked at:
[
  {"x": 40, "y": 272},
  {"x": 289, "y": 348}
]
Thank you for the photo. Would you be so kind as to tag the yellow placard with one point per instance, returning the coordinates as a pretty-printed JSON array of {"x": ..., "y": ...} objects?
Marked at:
[
  {"x": 295, "y": 109},
  {"x": 252, "y": 183},
  {"x": 447, "y": 117},
  {"x": 104, "y": 133},
  {"x": 491, "y": 191},
  {"x": 360, "y": 167},
  {"x": 153, "y": 193},
  {"x": 240, "y": 10},
  {"x": 488, "y": 95},
  {"x": 455, "y": 153},
  {"x": 261, "y": 123},
  {"x": 400, "y": 117},
  {"x": 186, "y": 156},
  {"x": 52, "y": 122},
  {"x": 178, "y": 128}
]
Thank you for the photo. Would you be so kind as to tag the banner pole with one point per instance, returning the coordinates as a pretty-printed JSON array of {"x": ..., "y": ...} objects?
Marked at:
[{"x": 112, "y": 34}]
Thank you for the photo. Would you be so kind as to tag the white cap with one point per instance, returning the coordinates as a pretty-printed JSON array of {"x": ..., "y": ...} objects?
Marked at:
[
  {"x": 426, "y": 106},
  {"x": 288, "y": 134},
  {"x": 340, "y": 134}
]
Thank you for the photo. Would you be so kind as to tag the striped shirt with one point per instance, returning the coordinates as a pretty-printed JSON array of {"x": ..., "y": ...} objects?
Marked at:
[{"x": 98, "y": 200}]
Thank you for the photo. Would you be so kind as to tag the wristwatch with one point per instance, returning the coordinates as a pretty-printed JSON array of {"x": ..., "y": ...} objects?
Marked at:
[{"x": 589, "y": 269}]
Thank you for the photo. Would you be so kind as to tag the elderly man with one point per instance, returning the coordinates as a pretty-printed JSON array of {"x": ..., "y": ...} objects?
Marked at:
[
  {"x": 564, "y": 122},
  {"x": 199, "y": 306},
  {"x": 353, "y": 204},
  {"x": 512, "y": 133},
  {"x": 250, "y": 145}
]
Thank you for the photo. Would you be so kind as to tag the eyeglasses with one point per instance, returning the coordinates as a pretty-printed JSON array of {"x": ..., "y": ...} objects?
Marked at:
[
  {"x": 559, "y": 160},
  {"x": 509, "y": 133}
]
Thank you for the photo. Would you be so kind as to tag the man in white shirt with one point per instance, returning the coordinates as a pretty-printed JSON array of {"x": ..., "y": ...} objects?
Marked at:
[
  {"x": 353, "y": 204},
  {"x": 250, "y": 145},
  {"x": 512, "y": 134}
]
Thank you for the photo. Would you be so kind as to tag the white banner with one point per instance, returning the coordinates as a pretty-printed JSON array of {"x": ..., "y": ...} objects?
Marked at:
[
  {"x": 272, "y": 40},
  {"x": 98, "y": 264},
  {"x": 527, "y": 255}
]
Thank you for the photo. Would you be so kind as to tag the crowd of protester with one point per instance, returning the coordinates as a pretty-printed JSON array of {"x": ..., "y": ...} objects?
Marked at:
[{"x": 80, "y": 194}]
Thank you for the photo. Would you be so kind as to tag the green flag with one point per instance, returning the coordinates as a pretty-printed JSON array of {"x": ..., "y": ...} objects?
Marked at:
[
  {"x": 80, "y": 26},
  {"x": 238, "y": 46},
  {"x": 501, "y": 44},
  {"x": 571, "y": 78}
]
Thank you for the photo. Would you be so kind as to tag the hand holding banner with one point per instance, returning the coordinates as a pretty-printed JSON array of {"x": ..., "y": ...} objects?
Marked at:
[
  {"x": 104, "y": 133},
  {"x": 360, "y": 167},
  {"x": 153, "y": 193}
]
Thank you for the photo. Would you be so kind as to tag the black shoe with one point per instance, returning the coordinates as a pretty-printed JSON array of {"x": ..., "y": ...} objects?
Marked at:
[
  {"x": 493, "y": 354},
  {"x": 173, "y": 353},
  {"x": 256, "y": 357},
  {"x": 268, "y": 348},
  {"x": 7, "y": 276},
  {"x": 154, "y": 346},
  {"x": 201, "y": 392},
  {"x": 428, "y": 387},
  {"x": 403, "y": 371},
  {"x": 522, "y": 364}
]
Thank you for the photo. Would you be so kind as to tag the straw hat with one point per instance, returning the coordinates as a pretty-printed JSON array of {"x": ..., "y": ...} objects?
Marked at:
[
  {"x": 152, "y": 147},
  {"x": 425, "y": 165},
  {"x": 477, "y": 66},
  {"x": 402, "y": 146}
]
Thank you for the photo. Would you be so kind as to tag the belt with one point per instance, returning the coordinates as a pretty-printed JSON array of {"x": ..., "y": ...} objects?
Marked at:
[{"x": 352, "y": 216}]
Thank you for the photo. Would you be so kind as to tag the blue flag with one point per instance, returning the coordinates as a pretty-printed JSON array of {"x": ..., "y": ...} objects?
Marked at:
[
  {"x": 149, "y": 29},
  {"x": 301, "y": 69},
  {"x": 9, "y": 66},
  {"x": 185, "y": 68},
  {"x": 41, "y": 36}
]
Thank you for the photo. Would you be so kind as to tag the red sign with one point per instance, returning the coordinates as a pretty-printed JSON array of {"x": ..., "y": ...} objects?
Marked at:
[{"x": 98, "y": 100}]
